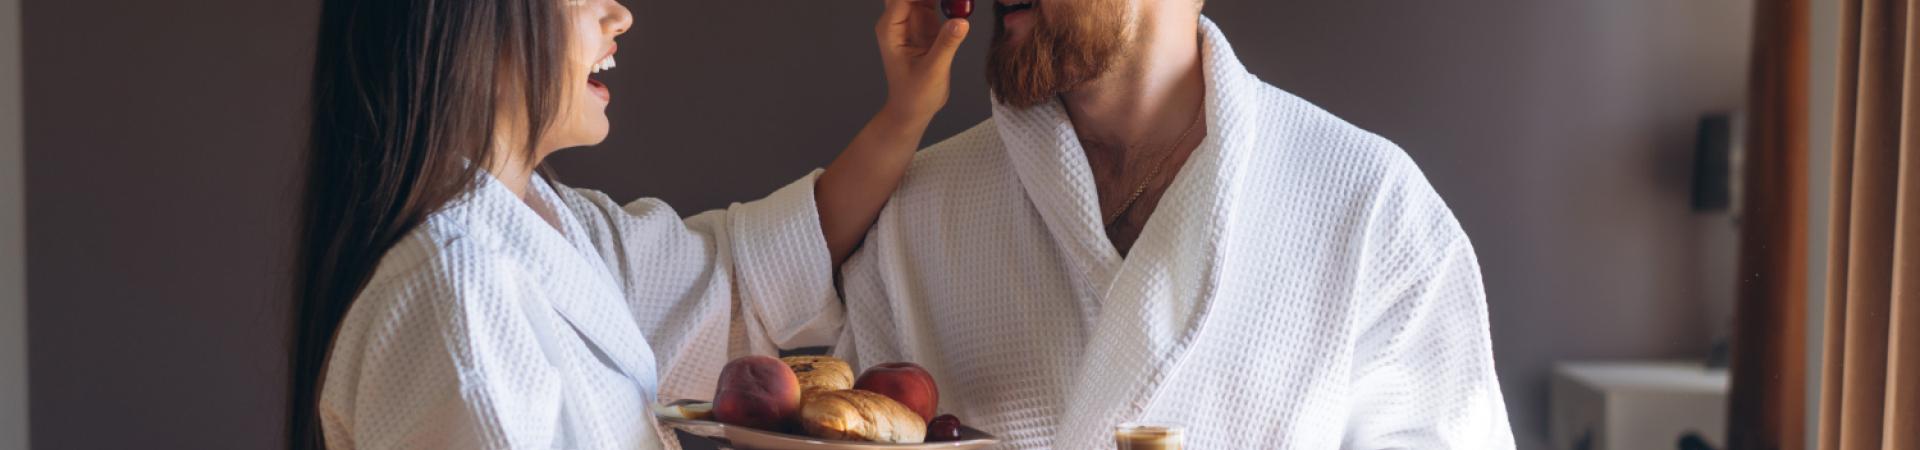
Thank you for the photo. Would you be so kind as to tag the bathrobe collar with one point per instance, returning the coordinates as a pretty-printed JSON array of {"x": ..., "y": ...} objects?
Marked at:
[
  {"x": 1156, "y": 299},
  {"x": 564, "y": 264}
]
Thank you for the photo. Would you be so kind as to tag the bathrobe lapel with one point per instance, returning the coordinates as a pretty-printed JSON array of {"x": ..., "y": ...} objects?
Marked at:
[
  {"x": 1156, "y": 300},
  {"x": 575, "y": 282}
]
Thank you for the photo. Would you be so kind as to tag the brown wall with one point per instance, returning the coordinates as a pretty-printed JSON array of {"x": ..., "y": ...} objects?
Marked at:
[{"x": 162, "y": 138}]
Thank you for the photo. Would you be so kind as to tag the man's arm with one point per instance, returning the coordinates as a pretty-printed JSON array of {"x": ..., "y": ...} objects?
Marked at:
[{"x": 1424, "y": 373}]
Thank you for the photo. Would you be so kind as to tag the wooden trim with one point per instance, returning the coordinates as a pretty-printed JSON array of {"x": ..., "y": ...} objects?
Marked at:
[{"x": 1767, "y": 406}]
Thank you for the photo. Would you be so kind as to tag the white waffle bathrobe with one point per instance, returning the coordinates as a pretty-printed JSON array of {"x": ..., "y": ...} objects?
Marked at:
[
  {"x": 487, "y": 327},
  {"x": 1300, "y": 286}
]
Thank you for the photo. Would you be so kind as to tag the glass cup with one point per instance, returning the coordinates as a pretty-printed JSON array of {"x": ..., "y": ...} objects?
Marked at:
[{"x": 1147, "y": 436}]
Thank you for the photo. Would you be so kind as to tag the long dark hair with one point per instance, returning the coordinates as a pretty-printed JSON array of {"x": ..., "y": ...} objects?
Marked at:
[{"x": 404, "y": 105}]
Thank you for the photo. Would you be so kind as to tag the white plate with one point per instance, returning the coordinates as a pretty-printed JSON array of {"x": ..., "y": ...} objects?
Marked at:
[{"x": 744, "y": 438}]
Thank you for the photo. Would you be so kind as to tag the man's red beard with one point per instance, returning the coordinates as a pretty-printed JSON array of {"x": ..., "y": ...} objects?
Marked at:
[{"x": 1072, "y": 43}]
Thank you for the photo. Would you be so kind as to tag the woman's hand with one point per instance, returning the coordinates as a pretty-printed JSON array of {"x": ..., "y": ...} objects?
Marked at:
[{"x": 916, "y": 48}]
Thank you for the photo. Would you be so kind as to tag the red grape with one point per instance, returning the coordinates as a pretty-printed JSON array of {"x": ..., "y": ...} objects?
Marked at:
[
  {"x": 957, "y": 9},
  {"x": 944, "y": 428}
]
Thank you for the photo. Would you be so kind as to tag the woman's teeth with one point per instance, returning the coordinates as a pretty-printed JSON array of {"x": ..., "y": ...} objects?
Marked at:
[{"x": 605, "y": 65}]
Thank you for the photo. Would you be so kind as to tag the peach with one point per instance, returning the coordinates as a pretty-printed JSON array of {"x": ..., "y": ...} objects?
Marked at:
[
  {"x": 757, "y": 392},
  {"x": 904, "y": 382}
]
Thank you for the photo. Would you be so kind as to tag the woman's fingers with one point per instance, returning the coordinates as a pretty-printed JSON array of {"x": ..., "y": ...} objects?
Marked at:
[
  {"x": 951, "y": 35},
  {"x": 894, "y": 19},
  {"x": 917, "y": 50},
  {"x": 911, "y": 24},
  {"x": 925, "y": 21}
]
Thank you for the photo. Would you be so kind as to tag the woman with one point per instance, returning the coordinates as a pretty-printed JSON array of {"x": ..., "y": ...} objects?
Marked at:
[{"x": 452, "y": 297}]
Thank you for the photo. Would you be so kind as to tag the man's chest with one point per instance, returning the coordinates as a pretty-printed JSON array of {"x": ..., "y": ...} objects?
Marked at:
[
  {"x": 1129, "y": 189},
  {"x": 1255, "y": 369},
  {"x": 1014, "y": 314}
]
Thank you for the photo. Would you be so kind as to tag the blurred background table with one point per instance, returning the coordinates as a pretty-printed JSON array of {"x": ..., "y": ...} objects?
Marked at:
[{"x": 1637, "y": 405}]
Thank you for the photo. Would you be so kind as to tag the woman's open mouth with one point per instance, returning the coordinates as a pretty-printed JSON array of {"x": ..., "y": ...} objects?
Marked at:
[{"x": 606, "y": 63}]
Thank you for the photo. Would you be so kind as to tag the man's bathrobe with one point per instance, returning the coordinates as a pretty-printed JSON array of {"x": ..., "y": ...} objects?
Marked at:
[
  {"x": 490, "y": 327},
  {"x": 1300, "y": 286}
]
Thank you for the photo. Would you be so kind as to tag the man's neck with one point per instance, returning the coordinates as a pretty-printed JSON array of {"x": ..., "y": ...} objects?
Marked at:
[{"x": 1152, "y": 93}]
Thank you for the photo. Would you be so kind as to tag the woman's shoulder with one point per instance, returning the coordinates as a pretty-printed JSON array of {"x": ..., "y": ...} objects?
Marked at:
[
  {"x": 435, "y": 270},
  {"x": 431, "y": 260},
  {"x": 597, "y": 209},
  {"x": 435, "y": 312}
]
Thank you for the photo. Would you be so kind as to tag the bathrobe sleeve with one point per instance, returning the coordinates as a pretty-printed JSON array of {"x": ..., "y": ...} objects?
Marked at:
[
  {"x": 443, "y": 358},
  {"x": 783, "y": 271},
  {"x": 753, "y": 278},
  {"x": 1424, "y": 374}
]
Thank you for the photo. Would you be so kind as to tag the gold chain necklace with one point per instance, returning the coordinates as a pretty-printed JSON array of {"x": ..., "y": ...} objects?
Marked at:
[{"x": 1157, "y": 168}]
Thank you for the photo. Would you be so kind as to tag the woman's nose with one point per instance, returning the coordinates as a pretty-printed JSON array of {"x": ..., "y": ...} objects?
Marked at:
[{"x": 618, "y": 19}]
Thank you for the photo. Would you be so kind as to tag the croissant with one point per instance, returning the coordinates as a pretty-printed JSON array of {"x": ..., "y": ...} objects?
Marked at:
[
  {"x": 820, "y": 374},
  {"x": 856, "y": 415}
]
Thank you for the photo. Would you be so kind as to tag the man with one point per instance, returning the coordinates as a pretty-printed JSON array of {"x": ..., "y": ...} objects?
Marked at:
[{"x": 1145, "y": 232}]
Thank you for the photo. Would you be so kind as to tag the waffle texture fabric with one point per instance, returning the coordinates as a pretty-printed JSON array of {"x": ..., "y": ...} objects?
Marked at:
[
  {"x": 499, "y": 325},
  {"x": 1300, "y": 286}
]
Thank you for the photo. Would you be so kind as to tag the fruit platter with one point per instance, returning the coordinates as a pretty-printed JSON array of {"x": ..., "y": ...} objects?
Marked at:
[{"x": 816, "y": 403}]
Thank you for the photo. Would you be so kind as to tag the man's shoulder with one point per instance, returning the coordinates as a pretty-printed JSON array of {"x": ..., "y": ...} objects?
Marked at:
[
  {"x": 970, "y": 158},
  {"x": 1299, "y": 138},
  {"x": 1308, "y": 154},
  {"x": 980, "y": 141},
  {"x": 1306, "y": 130},
  {"x": 965, "y": 177}
]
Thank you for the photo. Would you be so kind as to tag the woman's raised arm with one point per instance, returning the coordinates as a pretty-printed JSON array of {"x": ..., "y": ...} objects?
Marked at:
[{"x": 916, "y": 49}]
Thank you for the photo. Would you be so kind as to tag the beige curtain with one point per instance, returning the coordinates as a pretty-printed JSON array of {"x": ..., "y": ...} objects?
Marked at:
[{"x": 1870, "y": 393}]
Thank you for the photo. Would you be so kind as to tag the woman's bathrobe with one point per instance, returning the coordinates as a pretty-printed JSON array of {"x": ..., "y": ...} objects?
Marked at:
[{"x": 491, "y": 327}]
